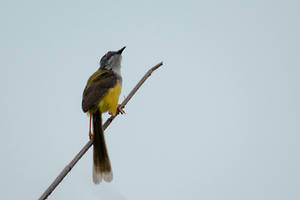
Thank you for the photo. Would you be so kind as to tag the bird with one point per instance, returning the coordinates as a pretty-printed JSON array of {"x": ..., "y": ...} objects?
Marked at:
[{"x": 100, "y": 95}]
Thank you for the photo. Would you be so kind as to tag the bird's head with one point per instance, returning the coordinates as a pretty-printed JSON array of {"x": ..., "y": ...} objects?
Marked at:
[{"x": 111, "y": 60}]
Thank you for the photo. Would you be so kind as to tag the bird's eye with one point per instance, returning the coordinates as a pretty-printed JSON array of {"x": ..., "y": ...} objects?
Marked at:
[{"x": 108, "y": 53}]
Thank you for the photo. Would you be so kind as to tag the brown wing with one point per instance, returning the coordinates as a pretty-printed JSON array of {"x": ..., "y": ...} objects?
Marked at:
[{"x": 97, "y": 88}]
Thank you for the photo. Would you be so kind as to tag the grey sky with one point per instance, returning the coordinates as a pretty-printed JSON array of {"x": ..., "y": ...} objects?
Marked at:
[{"x": 220, "y": 119}]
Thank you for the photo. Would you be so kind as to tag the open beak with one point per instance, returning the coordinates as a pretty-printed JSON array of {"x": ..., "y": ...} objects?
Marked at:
[{"x": 121, "y": 50}]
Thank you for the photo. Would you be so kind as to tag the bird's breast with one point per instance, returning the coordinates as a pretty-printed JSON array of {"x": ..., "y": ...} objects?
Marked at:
[{"x": 110, "y": 99}]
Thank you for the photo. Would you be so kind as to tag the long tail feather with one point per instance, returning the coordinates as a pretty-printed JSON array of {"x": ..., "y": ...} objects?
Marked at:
[{"x": 101, "y": 167}]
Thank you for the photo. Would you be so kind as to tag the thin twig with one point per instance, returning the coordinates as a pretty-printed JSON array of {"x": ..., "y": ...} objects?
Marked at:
[{"x": 68, "y": 168}]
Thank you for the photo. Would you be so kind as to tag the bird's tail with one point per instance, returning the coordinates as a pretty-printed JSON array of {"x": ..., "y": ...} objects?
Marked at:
[{"x": 101, "y": 167}]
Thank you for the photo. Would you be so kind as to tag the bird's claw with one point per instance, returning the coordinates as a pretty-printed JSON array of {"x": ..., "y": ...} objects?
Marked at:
[
  {"x": 120, "y": 109},
  {"x": 91, "y": 135}
]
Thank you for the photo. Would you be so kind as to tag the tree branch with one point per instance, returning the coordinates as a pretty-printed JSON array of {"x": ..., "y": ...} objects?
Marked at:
[{"x": 68, "y": 168}]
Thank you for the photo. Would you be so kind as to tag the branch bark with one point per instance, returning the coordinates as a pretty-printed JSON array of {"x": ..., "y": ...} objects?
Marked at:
[{"x": 68, "y": 168}]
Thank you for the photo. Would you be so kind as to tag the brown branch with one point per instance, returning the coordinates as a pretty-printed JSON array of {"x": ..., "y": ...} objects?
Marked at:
[{"x": 68, "y": 168}]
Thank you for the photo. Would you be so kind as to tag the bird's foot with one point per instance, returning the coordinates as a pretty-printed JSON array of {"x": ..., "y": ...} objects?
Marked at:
[
  {"x": 91, "y": 135},
  {"x": 120, "y": 109}
]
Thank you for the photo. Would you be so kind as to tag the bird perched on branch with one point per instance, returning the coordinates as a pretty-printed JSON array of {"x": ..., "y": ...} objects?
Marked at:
[{"x": 100, "y": 95}]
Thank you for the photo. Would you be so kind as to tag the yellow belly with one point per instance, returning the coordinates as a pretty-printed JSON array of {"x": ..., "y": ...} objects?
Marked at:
[{"x": 110, "y": 100}]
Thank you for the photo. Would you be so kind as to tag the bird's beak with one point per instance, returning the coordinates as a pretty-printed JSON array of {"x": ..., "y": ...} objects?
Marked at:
[{"x": 121, "y": 50}]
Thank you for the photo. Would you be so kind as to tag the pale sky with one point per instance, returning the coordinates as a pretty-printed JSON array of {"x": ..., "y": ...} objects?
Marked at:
[{"x": 220, "y": 119}]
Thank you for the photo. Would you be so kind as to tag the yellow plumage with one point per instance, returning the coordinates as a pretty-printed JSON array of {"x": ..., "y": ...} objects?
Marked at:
[{"x": 110, "y": 100}]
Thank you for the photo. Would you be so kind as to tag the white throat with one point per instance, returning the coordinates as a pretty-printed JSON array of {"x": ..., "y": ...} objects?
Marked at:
[
  {"x": 117, "y": 69},
  {"x": 117, "y": 65}
]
